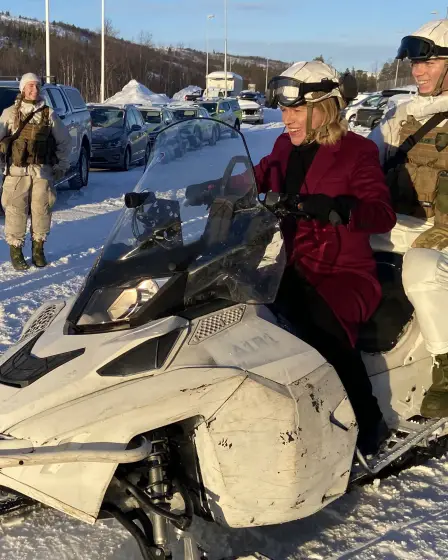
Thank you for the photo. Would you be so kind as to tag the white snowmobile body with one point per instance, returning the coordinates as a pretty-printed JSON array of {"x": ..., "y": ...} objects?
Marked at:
[{"x": 272, "y": 427}]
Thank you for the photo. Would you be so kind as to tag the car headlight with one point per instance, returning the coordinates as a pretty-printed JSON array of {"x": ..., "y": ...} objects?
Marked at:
[
  {"x": 114, "y": 143},
  {"x": 110, "y": 305}
]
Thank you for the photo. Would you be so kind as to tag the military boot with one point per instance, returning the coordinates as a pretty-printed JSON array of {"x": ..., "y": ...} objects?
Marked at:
[
  {"x": 435, "y": 402},
  {"x": 38, "y": 256},
  {"x": 17, "y": 259}
]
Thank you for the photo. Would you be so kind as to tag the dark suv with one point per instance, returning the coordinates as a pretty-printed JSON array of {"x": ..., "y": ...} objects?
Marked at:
[
  {"x": 119, "y": 136},
  {"x": 374, "y": 108},
  {"x": 68, "y": 103}
]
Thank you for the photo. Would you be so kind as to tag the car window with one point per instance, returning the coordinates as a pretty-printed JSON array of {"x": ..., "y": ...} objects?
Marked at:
[
  {"x": 138, "y": 118},
  {"x": 58, "y": 100},
  {"x": 185, "y": 113},
  {"x": 130, "y": 119},
  {"x": 105, "y": 117},
  {"x": 371, "y": 101},
  {"x": 166, "y": 117},
  {"x": 151, "y": 116},
  {"x": 225, "y": 106},
  {"x": 210, "y": 107},
  {"x": 75, "y": 98},
  {"x": 7, "y": 97},
  {"x": 48, "y": 101}
]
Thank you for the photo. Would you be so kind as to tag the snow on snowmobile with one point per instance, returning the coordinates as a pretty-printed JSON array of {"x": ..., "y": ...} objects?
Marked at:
[{"x": 168, "y": 389}]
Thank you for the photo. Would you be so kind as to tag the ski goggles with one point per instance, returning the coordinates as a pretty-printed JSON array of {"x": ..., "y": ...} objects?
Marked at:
[
  {"x": 290, "y": 92},
  {"x": 419, "y": 48}
]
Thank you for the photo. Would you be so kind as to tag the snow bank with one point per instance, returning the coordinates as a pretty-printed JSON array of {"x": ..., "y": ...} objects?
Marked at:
[
  {"x": 180, "y": 95},
  {"x": 134, "y": 92}
]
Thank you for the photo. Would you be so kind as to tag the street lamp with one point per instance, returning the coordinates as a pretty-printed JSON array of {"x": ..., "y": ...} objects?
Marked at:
[
  {"x": 103, "y": 32},
  {"x": 267, "y": 71},
  {"x": 47, "y": 40},
  {"x": 225, "y": 44},
  {"x": 209, "y": 17}
]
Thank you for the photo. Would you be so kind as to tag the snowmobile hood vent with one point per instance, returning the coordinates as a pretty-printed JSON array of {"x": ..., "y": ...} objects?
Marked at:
[
  {"x": 23, "y": 368},
  {"x": 43, "y": 319},
  {"x": 216, "y": 323}
]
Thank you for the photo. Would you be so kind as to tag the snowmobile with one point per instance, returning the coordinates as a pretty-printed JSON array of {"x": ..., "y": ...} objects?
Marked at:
[{"x": 168, "y": 389}]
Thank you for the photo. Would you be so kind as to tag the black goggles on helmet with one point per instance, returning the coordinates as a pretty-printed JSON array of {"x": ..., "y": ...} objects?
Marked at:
[
  {"x": 419, "y": 48},
  {"x": 290, "y": 92}
]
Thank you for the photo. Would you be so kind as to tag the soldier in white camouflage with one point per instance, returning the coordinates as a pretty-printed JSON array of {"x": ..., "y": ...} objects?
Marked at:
[
  {"x": 419, "y": 187},
  {"x": 35, "y": 154}
]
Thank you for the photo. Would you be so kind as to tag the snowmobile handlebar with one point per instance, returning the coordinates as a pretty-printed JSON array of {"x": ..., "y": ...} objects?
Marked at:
[{"x": 283, "y": 205}]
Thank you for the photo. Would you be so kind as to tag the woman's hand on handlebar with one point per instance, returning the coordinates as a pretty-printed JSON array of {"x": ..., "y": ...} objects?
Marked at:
[{"x": 327, "y": 209}]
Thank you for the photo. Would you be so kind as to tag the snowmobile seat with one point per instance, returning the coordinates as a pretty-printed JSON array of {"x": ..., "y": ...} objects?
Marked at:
[{"x": 383, "y": 330}]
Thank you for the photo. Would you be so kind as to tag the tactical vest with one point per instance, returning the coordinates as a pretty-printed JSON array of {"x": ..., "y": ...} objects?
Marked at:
[
  {"x": 36, "y": 144},
  {"x": 419, "y": 187}
]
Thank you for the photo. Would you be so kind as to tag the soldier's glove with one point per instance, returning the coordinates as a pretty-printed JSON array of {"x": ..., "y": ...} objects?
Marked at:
[
  {"x": 58, "y": 173},
  {"x": 434, "y": 238}
]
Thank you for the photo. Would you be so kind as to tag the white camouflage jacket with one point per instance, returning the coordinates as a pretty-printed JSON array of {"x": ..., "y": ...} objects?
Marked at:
[{"x": 59, "y": 131}]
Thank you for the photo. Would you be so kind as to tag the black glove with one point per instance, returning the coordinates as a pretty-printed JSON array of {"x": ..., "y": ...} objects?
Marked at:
[
  {"x": 327, "y": 209},
  {"x": 203, "y": 193}
]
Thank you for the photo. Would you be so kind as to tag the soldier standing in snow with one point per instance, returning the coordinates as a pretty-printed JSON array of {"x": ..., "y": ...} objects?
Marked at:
[
  {"x": 35, "y": 145},
  {"x": 413, "y": 144}
]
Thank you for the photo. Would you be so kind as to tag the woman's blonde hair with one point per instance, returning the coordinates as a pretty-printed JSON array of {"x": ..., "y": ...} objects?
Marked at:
[{"x": 334, "y": 126}]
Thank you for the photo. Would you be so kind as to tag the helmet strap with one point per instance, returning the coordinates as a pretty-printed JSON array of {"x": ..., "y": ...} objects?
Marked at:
[{"x": 441, "y": 86}]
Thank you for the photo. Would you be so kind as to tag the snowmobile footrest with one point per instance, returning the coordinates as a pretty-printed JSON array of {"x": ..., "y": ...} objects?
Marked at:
[{"x": 398, "y": 446}]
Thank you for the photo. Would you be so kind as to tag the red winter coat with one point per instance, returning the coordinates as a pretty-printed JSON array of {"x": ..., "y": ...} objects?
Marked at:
[{"x": 338, "y": 261}]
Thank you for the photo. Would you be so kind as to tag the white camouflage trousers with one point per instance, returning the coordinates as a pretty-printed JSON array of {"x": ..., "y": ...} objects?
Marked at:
[
  {"x": 425, "y": 280},
  {"x": 19, "y": 195}
]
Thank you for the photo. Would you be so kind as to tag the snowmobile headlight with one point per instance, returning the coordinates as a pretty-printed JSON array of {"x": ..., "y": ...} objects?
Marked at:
[{"x": 110, "y": 305}]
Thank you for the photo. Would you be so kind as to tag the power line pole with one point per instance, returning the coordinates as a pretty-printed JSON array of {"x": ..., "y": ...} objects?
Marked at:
[
  {"x": 103, "y": 33},
  {"x": 47, "y": 40},
  {"x": 225, "y": 44}
]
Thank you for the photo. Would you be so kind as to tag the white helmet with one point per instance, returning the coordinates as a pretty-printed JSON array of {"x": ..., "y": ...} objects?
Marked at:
[
  {"x": 430, "y": 41},
  {"x": 436, "y": 31},
  {"x": 310, "y": 82}
]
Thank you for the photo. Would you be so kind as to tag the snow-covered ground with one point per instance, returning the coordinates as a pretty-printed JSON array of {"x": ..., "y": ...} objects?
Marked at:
[{"x": 401, "y": 518}]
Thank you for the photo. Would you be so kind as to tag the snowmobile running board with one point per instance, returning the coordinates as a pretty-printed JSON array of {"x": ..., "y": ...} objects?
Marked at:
[{"x": 396, "y": 446}]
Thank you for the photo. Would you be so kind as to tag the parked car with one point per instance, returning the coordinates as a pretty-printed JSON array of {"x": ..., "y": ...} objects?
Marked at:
[
  {"x": 226, "y": 110},
  {"x": 158, "y": 119},
  {"x": 68, "y": 103},
  {"x": 206, "y": 130},
  {"x": 119, "y": 136},
  {"x": 252, "y": 112},
  {"x": 248, "y": 95},
  {"x": 350, "y": 112},
  {"x": 371, "y": 114}
]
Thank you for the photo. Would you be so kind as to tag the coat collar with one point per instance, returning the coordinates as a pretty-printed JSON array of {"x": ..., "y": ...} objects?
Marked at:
[{"x": 322, "y": 163}]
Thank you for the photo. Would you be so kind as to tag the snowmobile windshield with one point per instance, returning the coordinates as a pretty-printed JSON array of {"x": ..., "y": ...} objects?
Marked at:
[{"x": 193, "y": 231}]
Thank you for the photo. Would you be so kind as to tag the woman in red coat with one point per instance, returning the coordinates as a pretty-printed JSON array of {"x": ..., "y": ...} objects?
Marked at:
[{"x": 330, "y": 285}]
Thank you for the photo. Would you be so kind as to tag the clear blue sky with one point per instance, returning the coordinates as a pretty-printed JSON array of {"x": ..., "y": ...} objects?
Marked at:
[{"x": 348, "y": 32}]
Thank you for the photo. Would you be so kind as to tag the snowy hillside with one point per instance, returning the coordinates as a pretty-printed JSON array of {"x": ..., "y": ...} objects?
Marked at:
[{"x": 401, "y": 518}]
